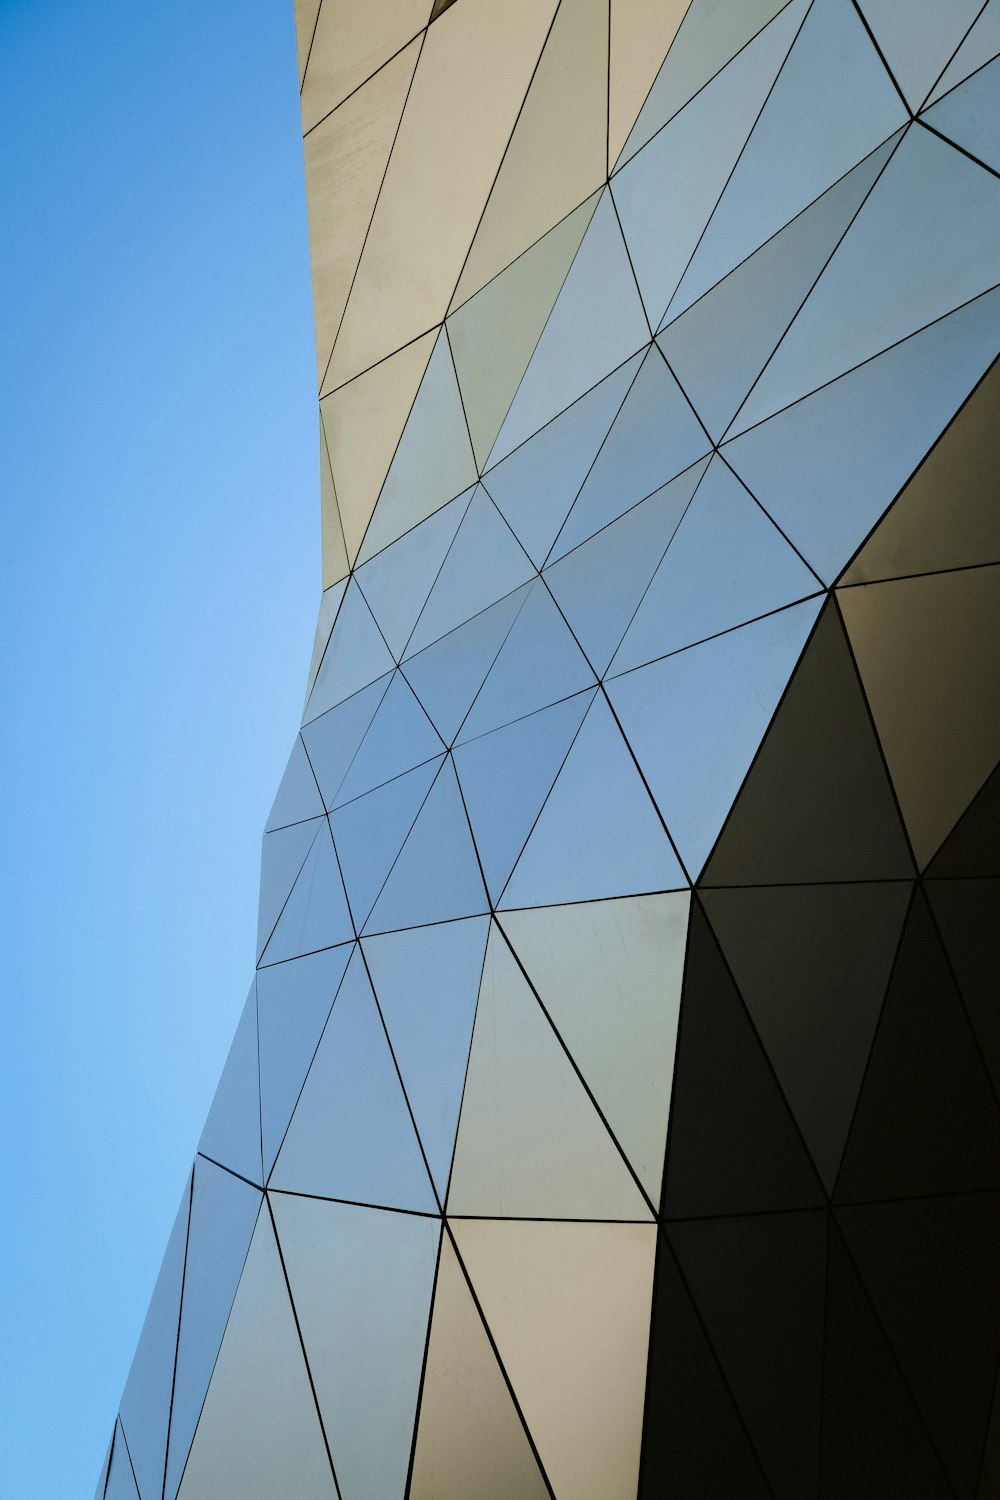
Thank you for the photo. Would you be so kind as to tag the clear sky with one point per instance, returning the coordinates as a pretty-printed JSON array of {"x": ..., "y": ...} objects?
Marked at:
[{"x": 160, "y": 580}]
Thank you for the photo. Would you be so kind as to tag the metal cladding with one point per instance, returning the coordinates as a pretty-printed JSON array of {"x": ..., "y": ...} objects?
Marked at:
[{"x": 614, "y": 1110}]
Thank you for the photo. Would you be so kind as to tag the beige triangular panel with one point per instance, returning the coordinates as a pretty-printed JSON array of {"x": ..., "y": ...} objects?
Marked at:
[
  {"x": 640, "y": 38},
  {"x": 471, "y": 1444},
  {"x": 529, "y": 1139},
  {"x": 345, "y": 161},
  {"x": 474, "y": 71},
  {"x": 609, "y": 974},
  {"x": 928, "y": 650},
  {"x": 947, "y": 516},
  {"x": 350, "y": 44},
  {"x": 259, "y": 1435},
  {"x": 363, "y": 422},
  {"x": 494, "y": 334},
  {"x": 433, "y": 462},
  {"x": 306, "y": 12},
  {"x": 556, "y": 154},
  {"x": 568, "y": 1306},
  {"x": 335, "y": 564}
]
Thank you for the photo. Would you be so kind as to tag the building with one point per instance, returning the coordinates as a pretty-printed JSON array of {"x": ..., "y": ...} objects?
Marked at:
[{"x": 622, "y": 1057}]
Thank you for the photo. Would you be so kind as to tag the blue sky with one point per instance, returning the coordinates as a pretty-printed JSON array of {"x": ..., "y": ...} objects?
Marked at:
[{"x": 161, "y": 576}]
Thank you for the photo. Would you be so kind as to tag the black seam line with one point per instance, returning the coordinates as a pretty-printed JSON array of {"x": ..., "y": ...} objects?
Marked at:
[
  {"x": 371, "y": 217},
  {"x": 440, "y": 323},
  {"x": 500, "y": 1364},
  {"x": 682, "y": 1008},
  {"x": 924, "y": 875},
  {"x": 382, "y": 360},
  {"x": 454, "y": 310},
  {"x": 904, "y": 928},
  {"x": 291, "y": 1114},
  {"x": 769, "y": 1213},
  {"x": 291, "y": 888},
  {"x": 666, "y": 327},
  {"x": 951, "y": 58},
  {"x": 622, "y": 161},
  {"x": 768, "y": 516},
  {"x": 643, "y": 350},
  {"x": 381, "y": 785},
  {"x": 128, "y": 1455},
  {"x": 330, "y": 804},
  {"x": 343, "y": 883},
  {"x": 406, "y": 1098},
  {"x": 469, "y": 494},
  {"x": 312, "y": 38},
  {"x": 728, "y": 435},
  {"x": 109, "y": 1459},
  {"x": 333, "y": 623},
  {"x": 458, "y": 1218},
  {"x": 732, "y": 171},
  {"x": 418, "y": 1404},
  {"x": 177, "y": 1340},
  {"x": 583, "y": 719},
  {"x": 218, "y": 1351},
  {"x": 325, "y": 454},
  {"x": 503, "y": 157},
  {"x": 548, "y": 315},
  {"x": 524, "y": 588},
  {"x": 590, "y": 901},
  {"x": 586, "y": 1086},
  {"x": 532, "y": 574},
  {"x": 606, "y": 526},
  {"x": 790, "y": 1114},
  {"x": 879, "y": 583},
  {"x": 484, "y": 734},
  {"x": 890, "y": 1345},
  {"x": 765, "y": 733},
  {"x": 607, "y": 102},
  {"x": 926, "y": 108},
  {"x": 382, "y": 1208},
  {"x": 528, "y": 587},
  {"x": 441, "y": 566},
  {"x": 956, "y": 147},
  {"x": 472, "y": 836},
  {"x": 297, "y": 822},
  {"x": 545, "y": 579},
  {"x": 461, "y": 401},
  {"x": 870, "y": 359},
  {"x": 230, "y": 1171},
  {"x": 635, "y": 280},
  {"x": 882, "y": 58},
  {"x": 957, "y": 49},
  {"x": 675, "y": 378},
  {"x": 265, "y": 969},
  {"x": 358, "y": 86},
  {"x": 336, "y": 804},
  {"x": 642, "y": 776},
  {"x": 973, "y": 1032},
  {"x": 705, "y": 459},
  {"x": 260, "y": 1108},
  {"x": 856, "y": 555},
  {"x": 468, "y": 1055},
  {"x": 399, "y": 851},
  {"x": 695, "y": 1306},
  {"x": 302, "y": 1344},
  {"x": 647, "y": 1385},
  {"x": 886, "y": 768}
]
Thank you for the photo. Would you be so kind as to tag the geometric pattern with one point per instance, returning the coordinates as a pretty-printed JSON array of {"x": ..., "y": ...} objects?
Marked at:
[{"x": 614, "y": 1111}]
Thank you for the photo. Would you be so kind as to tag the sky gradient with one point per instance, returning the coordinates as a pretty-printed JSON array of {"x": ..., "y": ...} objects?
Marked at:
[{"x": 158, "y": 469}]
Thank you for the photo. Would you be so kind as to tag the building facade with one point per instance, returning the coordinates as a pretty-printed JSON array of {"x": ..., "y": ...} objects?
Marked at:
[{"x": 614, "y": 1110}]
